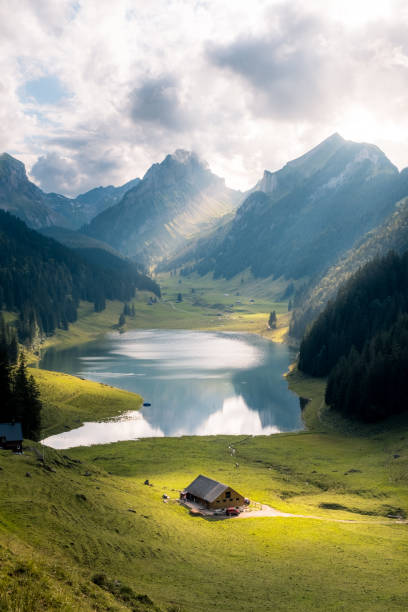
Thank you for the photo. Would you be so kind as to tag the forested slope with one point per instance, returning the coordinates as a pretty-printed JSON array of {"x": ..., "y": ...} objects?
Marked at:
[
  {"x": 360, "y": 341},
  {"x": 44, "y": 281}
]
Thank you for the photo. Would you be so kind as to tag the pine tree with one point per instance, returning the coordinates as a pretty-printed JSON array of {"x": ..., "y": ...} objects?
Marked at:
[
  {"x": 26, "y": 401},
  {"x": 272, "y": 320}
]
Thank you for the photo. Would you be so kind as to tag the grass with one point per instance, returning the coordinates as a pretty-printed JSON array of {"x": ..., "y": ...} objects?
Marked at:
[
  {"x": 68, "y": 401},
  {"x": 104, "y": 541},
  {"x": 110, "y": 523}
]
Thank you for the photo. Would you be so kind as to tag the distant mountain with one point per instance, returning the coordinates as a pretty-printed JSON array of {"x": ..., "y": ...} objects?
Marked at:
[
  {"x": 24, "y": 199},
  {"x": 21, "y": 197},
  {"x": 99, "y": 199},
  {"x": 301, "y": 219},
  {"x": 176, "y": 199}
]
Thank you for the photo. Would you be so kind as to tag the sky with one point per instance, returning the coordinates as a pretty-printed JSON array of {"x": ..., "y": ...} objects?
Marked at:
[{"x": 93, "y": 91}]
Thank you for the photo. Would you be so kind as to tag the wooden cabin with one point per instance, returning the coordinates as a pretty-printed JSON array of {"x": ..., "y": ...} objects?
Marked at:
[
  {"x": 212, "y": 494},
  {"x": 11, "y": 437}
]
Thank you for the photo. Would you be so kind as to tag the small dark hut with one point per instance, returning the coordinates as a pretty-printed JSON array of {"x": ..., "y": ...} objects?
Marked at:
[
  {"x": 212, "y": 494},
  {"x": 11, "y": 437}
]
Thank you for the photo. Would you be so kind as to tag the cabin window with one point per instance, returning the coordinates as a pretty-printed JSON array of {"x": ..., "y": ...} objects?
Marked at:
[{"x": 228, "y": 494}]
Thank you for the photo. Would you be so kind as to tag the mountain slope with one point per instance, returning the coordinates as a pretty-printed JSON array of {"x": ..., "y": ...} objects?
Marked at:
[
  {"x": 99, "y": 199},
  {"x": 175, "y": 199},
  {"x": 308, "y": 214},
  {"x": 361, "y": 341},
  {"x": 76, "y": 240},
  {"x": 392, "y": 234},
  {"x": 43, "y": 281}
]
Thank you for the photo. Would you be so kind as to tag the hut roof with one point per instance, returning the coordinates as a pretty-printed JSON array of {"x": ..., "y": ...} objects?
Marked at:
[
  {"x": 206, "y": 488},
  {"x": 11, "y": 432}
]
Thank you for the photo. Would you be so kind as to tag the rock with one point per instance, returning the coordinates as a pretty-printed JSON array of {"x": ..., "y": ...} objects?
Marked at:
[{"x": 28, "y": 475}]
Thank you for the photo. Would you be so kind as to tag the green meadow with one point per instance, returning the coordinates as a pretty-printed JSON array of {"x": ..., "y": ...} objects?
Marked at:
[
  {"x": 80, "y": 531},
  {"x": 206, "y": 305}
]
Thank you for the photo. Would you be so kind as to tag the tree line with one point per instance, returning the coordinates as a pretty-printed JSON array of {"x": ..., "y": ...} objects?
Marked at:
[
  {"x": 44, "y": 281},
  {"x": 360, "y": 341}
]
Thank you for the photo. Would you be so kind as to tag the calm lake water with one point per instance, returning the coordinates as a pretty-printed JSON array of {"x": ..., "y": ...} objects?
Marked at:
[{"x": 198, "y": 383}]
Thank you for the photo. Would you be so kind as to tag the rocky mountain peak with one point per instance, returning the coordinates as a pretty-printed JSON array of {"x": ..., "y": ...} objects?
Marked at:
[
  {"x": 12, "y": 170},
  {"x": 182, "y": 165}
]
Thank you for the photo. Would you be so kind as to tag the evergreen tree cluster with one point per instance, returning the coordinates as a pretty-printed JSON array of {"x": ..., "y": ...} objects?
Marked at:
[
  {"x": 44, "y": 281},
  {"x": 373, "y": 384},
  {"x": 360, "y": 341},
  {"x": 20, "y": 397}
]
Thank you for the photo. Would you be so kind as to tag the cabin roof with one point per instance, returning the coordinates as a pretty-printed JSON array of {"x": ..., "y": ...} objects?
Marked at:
[
  {"x": 11, "y": 432},
  {"x": 206, "y": 488}
]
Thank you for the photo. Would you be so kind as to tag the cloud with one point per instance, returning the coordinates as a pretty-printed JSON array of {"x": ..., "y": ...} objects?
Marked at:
[
  {"x": 157, "y": 101},
  {"x": 75, "y": 174},
  {"x": 291, "y": 68},
  {"x": 247, "y": 89}
]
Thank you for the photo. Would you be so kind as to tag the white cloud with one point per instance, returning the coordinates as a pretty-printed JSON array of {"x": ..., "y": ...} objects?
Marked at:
[{"x": 247, "y": 86}]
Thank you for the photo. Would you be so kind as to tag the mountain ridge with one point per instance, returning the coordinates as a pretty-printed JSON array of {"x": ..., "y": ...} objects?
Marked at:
[
  {"x": 38, "y": 209},
  {"x": 176, "y": 198},
  {"x": 306, "y": 215}
]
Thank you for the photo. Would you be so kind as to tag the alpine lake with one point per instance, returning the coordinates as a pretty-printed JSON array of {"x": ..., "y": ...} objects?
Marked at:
[{"x": 195, "y": 383}]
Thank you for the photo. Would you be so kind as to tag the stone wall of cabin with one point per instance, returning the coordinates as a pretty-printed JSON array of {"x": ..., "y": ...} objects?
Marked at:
[{"x": 228, "y": 499}]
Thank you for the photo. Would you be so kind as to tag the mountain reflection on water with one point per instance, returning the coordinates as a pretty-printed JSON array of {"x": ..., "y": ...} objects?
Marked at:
[{"x": 198, "y": 383}]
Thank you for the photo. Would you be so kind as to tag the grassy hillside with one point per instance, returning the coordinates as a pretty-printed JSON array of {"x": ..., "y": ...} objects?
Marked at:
[
  {"x": 69, "y": 401},
  {"x": 85, "y": 512}
]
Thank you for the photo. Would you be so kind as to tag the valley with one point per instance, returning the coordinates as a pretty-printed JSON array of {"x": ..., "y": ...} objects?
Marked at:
[{"x": 174, "y": 278}]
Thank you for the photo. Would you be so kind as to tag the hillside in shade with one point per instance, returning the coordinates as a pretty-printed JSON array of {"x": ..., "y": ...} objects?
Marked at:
[
  {"x": 43, "y": 281},
  {"x": 392, "y": 234}
]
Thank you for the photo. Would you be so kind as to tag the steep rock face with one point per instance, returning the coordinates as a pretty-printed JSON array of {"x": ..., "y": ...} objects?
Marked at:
[
  {"x": 176, "y": 198},
  {"x": 300, "y": 219},
  {"x": 22, "y": 198}
]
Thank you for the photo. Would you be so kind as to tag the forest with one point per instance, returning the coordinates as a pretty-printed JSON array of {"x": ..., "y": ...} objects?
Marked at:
[
  {"x": 44, "y": 281},
  {"x": 359, "y": 341}
]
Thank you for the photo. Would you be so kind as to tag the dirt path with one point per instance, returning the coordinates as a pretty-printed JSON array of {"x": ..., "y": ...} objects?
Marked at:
[{"x": 267, "y": 511}]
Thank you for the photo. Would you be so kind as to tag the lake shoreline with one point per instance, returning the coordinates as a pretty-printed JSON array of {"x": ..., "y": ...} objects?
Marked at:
[{"x": 213, "y": 383}]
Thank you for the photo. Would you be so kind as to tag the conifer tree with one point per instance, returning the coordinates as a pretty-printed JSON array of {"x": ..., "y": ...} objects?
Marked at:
[{"x": 272, "y": 320}]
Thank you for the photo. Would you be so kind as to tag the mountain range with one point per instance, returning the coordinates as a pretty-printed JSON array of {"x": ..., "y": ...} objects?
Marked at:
[
  {"x": 302, "y": 218},
  {"x": 311, "y": 223},
  {"x": 25, "y": 200}
]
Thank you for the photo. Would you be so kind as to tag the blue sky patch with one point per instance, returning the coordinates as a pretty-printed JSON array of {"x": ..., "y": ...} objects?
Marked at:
[{"x": 45, "y": 90}]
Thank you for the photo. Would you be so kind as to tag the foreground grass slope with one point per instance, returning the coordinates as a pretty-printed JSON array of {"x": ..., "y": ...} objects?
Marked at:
[
  {"x": 96, "y": 516},
  {"x": 86, "y": 512}
]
